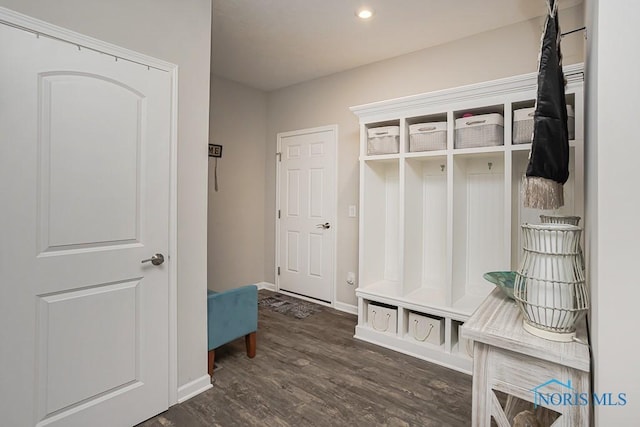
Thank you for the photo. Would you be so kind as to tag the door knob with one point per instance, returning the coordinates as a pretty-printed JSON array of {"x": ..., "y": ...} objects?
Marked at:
[
  {"x": 157, "y": 259},
  {"x": 324, "y": 226}
]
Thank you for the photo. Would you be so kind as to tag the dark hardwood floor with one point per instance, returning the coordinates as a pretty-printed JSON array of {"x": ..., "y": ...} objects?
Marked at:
[{"x": 312, "y": 372}]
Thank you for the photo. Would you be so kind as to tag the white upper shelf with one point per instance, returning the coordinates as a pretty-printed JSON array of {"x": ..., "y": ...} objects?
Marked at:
[{"x": 446, "y": 99}]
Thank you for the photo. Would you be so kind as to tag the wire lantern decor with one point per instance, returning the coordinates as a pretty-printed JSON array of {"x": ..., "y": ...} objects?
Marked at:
[
  {"x": 564, "y": 219},
  {"x": 559, "y": 219},
  {"x": 550, "y": 287}
]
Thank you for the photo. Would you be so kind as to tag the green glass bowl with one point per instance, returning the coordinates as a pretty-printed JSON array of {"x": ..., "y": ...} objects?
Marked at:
[{"x": 503, "y": 280}]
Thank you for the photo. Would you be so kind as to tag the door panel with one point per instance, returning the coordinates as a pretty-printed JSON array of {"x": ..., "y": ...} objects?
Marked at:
[
  {"x": 316, "y": 193},
  {"x": 85, "y": 164},
  {"x": 109, "y": 342},
  {"x": 293, "y": 193},
  {"x": 316, "y": 248},
  {"x": 307, "y": 201},
  {"x": 109, "y": 135},
  {"x": 293, "y": 252}
]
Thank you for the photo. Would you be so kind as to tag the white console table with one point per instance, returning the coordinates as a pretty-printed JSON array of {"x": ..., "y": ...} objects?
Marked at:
[{"x": 510, "y": 360}]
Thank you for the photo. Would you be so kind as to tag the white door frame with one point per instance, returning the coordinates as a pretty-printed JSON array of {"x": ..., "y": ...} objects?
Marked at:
[
  {"x": 282, "y": 135},
  {"x": 45, "y": 29}
]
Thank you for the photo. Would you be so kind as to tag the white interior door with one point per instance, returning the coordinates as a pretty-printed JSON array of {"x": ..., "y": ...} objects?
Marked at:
[
  {"x": 306, "y": 210},
  {"x": 84, "y": 173}
]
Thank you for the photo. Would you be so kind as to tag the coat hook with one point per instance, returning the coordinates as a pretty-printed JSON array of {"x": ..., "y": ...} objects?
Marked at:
[
  {"x": 79, "y": 48},
  {"x": 116, "y": 58},
  {"x": 441, "y": 168},
  {"x": 490, "y": 165}
]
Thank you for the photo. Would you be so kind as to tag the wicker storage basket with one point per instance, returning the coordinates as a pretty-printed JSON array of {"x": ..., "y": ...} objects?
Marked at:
[
  {"x": 479, "y": 131},
  {"x": 428, "y": 136},
  {"x": 382, "y": 318},
  {"x": 523, "y": 124},
  {"x": 426, "y": 329},
  {"x": 383, "y": 140}
]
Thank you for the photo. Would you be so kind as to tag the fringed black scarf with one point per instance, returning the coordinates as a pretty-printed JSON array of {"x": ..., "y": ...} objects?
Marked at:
[{"x": 548, "y": 167}]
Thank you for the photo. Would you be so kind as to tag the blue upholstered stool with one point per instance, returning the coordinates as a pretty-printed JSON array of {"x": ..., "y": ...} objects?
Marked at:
[{"x": 232, "y": 314}]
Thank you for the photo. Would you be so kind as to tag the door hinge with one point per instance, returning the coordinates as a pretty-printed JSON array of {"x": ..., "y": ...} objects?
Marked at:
[
  {"x": 278, "y": 271},
  {"x": 278, "y": 213},
  {"x": 279, "y": 156}
]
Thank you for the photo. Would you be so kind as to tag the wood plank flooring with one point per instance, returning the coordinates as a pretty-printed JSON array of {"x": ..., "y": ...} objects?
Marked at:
[{"x": 312, "y": 372}]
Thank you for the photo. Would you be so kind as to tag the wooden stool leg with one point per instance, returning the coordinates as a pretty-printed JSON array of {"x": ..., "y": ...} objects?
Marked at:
[
  {"x": 250, "y": 341},
  {"x": 212, "y": 356}
]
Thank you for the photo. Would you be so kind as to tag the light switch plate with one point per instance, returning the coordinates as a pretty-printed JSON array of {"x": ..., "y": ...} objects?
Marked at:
[{"x": 352, "y": 211}]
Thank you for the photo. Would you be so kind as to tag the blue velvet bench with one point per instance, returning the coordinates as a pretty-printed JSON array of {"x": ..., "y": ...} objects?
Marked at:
[{"x": 232, "y": 314}]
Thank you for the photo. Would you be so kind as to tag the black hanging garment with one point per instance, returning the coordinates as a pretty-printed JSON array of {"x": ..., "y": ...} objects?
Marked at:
[{"x": 548, "y": 167}]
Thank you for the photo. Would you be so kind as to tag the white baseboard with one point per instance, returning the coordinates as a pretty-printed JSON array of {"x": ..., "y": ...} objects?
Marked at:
[
  {"x": 194, "y": 388},
  {"x": 347, "y": 308},
  {"x": 266, "y": 285}
]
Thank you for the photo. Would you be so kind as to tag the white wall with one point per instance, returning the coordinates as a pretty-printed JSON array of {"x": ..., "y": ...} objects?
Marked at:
[
  {"x": 178, "y": 32},
  {"x": 236, "y": 211},
  {"x": 613, "y": 150},
  {"x": 500, "y": 53}
]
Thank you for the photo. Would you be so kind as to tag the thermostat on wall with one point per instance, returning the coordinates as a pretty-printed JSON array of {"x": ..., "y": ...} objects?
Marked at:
[{"x": 215, "y": 150}]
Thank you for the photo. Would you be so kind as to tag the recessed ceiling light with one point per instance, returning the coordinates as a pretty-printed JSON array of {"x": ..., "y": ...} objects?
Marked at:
[{"x": 364, "y": 13}]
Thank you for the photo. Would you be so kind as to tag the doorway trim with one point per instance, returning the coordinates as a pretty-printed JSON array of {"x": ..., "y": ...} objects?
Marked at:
[
  {"x": 334, "y": 279},
  {"x": 44, "y": 29}
]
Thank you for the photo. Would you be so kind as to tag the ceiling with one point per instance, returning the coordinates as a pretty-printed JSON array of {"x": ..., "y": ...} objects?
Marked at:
[{"x": 271, "y": 44}]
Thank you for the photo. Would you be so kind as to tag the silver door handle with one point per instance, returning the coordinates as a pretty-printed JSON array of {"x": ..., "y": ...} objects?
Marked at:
[
  {"x": 157, "y": 259},
  {"x": 324, "y": 226}
]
